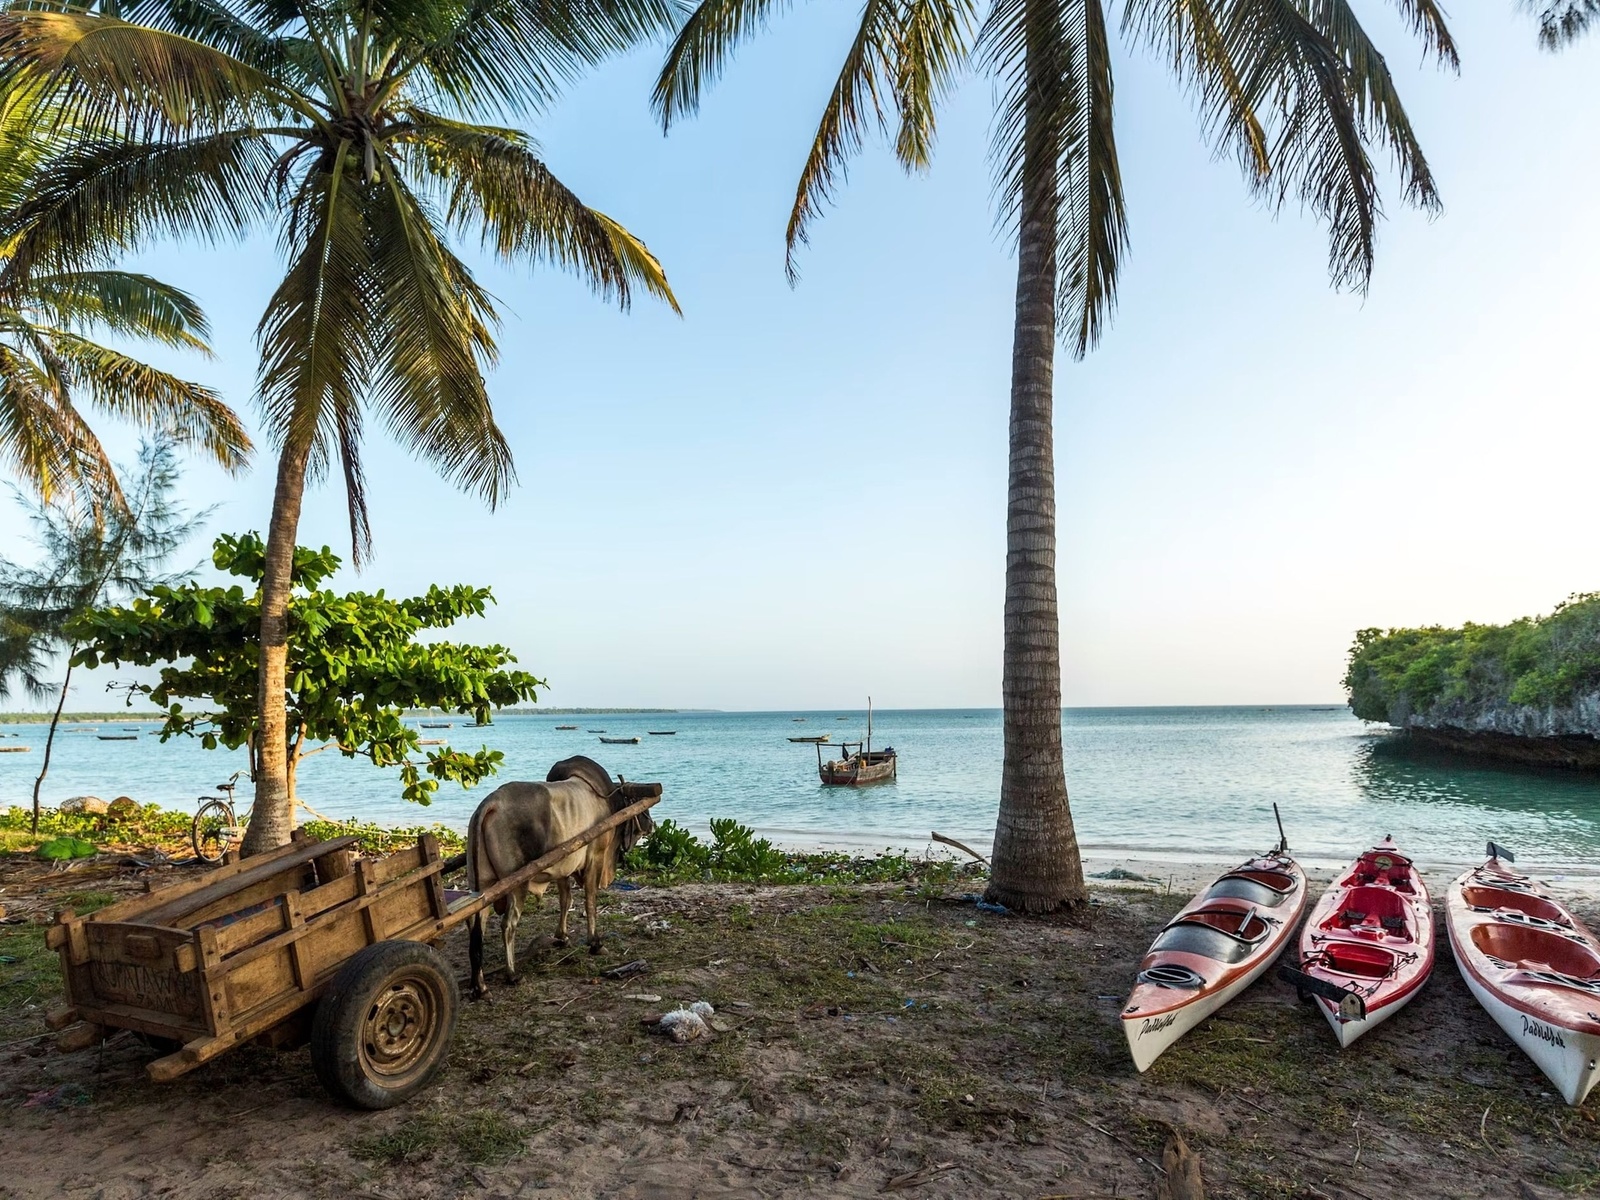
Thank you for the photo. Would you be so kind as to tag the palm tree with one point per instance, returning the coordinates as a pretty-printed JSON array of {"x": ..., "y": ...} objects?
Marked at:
[
  {"x": 1562, "y": 22},
  {"x": 1293, "y": 88},
  {"x": 360, "y": 127},
  {"x": 50, "y": 365}
]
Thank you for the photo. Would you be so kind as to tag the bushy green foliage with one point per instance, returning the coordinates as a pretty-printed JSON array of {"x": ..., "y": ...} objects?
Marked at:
[
  {"x": 672, "y": 854},
  {"x": 355, "y": 664},
  {"x": 1535, "y": 661},
  {"x": 66, "y": 847},
  {"x": 149, "y": 825},
  {"x": 385, "y": 839}
]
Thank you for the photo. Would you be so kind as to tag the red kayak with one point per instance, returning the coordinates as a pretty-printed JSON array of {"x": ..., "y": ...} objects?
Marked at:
[
  {"x": 1367, "y": 948},
  {"x": 1534, "y": 968}
]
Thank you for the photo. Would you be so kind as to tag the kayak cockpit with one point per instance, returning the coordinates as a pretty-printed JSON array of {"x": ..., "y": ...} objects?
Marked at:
[
  {"x": 1225, "y": 934},
  {"x": 1528, "y": 948},
  {"x": 1492, "y": 899},
  {"x": 1381, "y": 868},
  {"x": 1374, "y": 912}
]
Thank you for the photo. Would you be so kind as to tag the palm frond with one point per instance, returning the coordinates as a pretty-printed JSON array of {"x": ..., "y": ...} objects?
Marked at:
[
  {"x": 122, "y": 302},
  {"x": 1427, "y": 22},
  {"x": 436, "y": 338},
  {"x": 935, "y": 44},
  {"x": 96, "y": 197},
  {"x": 869, "y": 71},
  {"x": 1054, "y": 148},
  {"x": 154, "y": 400},
  {"x": 1375, "y": 99},
  {"x": 1298, "y": 80},
  {"x": 702, "y": 50},
  {"x": 495, "y": 185},
  {"x": 1562, "y": 22},
  {"x": 104, "y": 73}
]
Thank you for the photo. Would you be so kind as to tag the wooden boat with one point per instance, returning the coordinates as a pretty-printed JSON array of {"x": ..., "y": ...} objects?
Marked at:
[
  {"x": 566, "y": 726},
  {"x": 821, "y": 737},
  {"x": 435, "y": 724},
  {"x": 118, "y": 737},
  {"x": 1368, "y": 943},
  {"x": 1533, "y": 966},
  {"x": 1220, "y": 943},
  {"x": 430, "y": 741},
  {"x": 597, "y": 731},
  {"x": 13, "y": 749},
  {"x": 859, "y": 766},
  {"x": 663, "y": 733},
  {"x": 619, "y": 741}
]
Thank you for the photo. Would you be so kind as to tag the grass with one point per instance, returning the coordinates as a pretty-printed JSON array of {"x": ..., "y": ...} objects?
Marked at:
[{"x": 475, "y": 1136}]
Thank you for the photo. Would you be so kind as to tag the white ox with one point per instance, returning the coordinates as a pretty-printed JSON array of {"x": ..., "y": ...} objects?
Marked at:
[{"x": 519, "y": 822}]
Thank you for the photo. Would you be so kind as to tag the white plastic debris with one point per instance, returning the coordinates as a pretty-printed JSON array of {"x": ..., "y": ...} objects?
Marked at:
[
  {"x": 702, "y": 1010},
  {"x": 684, "y": 1025}
]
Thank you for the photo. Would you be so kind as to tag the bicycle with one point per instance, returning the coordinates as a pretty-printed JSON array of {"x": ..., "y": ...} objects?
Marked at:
[{"x": 216, "y": 828}]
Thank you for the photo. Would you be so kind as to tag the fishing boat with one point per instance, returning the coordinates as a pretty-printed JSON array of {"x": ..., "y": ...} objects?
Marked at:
[
  {"x": 430, "y": 741},
  {"x": 619, "y": 741},
  {"x": 1533, "y": 966},
  {"x": 597, "y": 731},
  {"x": 118, "y": 737},
  {"x": 435, "y": 724},
  {"x": 859, "y": 766},
  {"x": 821, "y": 737},
  {"x": 663, "y": 733},
  {"x": 1367, "y": 948},
  {"x": 566, "y": 726},
  {"x": 13, "y": 749},
  {"x": 1218, "y": 944}
]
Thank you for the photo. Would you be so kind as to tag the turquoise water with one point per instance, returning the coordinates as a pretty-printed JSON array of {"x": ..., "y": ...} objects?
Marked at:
[{"x": 1181, "y": 782}]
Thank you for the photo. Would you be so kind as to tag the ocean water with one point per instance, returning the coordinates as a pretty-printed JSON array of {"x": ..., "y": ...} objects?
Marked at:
[{"x": 1174, "y": 783}]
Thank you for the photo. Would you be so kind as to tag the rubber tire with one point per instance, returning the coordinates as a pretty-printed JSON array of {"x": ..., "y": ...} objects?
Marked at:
[
  {"x": 337, "y": 1030},
  {"x": 211, "y": 810}
]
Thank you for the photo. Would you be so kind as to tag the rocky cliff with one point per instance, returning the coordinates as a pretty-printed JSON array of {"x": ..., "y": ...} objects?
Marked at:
[{"x": 1526, "y": 692}]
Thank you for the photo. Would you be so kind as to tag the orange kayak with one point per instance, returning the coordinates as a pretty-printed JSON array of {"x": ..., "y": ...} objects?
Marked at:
[
  {"x": 1371, "y": 937},
  {"x": 1212, "y": 950},
  {"x": 1533, "y": 966}
]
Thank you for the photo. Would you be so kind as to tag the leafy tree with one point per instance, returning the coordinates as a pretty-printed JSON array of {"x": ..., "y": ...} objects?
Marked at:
[
  {"x": 89, "y": 557},
  {"x": 50, "y": 365},
  {"x": 358, "y": 128},
  {"x": 1562, "y": 22},
  {"x": 354, "y": 666},
  {"x": 1293, "y": 88}
]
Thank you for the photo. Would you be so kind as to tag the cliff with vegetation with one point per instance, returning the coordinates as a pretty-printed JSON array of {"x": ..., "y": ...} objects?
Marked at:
[{"x": 1528, "y": 691}]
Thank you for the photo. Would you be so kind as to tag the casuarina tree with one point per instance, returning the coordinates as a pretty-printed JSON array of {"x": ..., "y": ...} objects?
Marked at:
[
  {"x": 1294, "y": 89},
  {"x": 89, "y": 556},
  {"x": 371, "y": 135}
]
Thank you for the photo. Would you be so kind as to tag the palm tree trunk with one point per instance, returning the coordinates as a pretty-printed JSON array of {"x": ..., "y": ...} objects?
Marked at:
[
  {"x": 272, "y": 815},
  {"x": 1035, "y": 867},
  {"x": 50, "y": 738}
]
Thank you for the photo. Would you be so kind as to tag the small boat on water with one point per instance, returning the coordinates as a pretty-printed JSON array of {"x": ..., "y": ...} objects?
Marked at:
[
  {"x": 1219, "y": 944},
  {"x": 435, "y": 724},
  {"x": 597, "y": 731},
  {"x": 430, "y": 741},
  {"x": 620, "y": 741},
  {"x": 14, "y": 749},
  {"x": 859, "y": 766},
  {"x": 1533, "y": 966},
  {"x": 663, "y": 733},
  {"x": 566, "y": 726},
  {"x": 821, "y": 737},
  {"x": 1367, "y": 948},
  {"x": 118, "y": 737}
]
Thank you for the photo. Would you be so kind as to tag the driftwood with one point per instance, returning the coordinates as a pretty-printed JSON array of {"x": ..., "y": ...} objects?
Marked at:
[{"x": 948, "y": 841}]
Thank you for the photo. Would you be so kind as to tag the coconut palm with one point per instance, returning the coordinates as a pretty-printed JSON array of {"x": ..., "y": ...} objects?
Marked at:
[
  {"x": 1293, "y": 88},
  {"x": 52, "y": 368},
  {"x": 362, "y": 130}
]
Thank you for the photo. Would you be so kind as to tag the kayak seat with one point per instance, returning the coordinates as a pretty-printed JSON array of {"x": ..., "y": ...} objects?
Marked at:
[
  {"x": 1540, "y": 948},
  {"x": 1353, "y": 958},
  {"x": 1195, "y": 934},
  {"x": 1244, "y": 887},
  {"x": 1492, "y": 898}
]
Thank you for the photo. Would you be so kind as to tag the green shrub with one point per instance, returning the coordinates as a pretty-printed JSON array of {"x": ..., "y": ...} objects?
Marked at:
[{"x": 1535, "y": 661}]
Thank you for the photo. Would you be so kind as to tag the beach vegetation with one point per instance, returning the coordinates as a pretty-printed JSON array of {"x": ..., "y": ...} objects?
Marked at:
[
  {"x": 371, "y": 137},
  {"x": 54, "y": 370},
  {"x": 1298, "y": 95},
  {"x": 1541, "y": 661},
  {"x": 88, "y": 556},
  {"x": 355, "y": 665}
]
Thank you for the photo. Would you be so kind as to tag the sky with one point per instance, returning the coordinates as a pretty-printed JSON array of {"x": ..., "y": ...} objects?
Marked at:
[{"x": 795, "y": 497}]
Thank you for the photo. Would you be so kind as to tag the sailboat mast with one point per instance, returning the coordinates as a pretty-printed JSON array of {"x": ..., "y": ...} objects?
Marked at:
[{"x": 869, "y": 724}]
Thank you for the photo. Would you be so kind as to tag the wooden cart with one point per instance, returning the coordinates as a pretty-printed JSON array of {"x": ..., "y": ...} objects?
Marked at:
[{"x": 309, "y": 942}]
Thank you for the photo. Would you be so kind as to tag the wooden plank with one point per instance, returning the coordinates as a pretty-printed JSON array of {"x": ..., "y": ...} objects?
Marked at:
[
  {"x": 366, "y": 888},
  {"x": 127, "y": 910},
  {"x": 539, "y": 865},
  {"x": 142, "y": 1020},
  {"x": 238, "y": 935},
  {"x": 133, "y": 945},
  {"x": 213, "y": 996},
  {"x": 401, "y": 862},
  {"x": 428, "y": 847},
  {"x": 229, "y": 883},
  {"x": 299, "y": 955},
  {"x": 329, "y": 895}
]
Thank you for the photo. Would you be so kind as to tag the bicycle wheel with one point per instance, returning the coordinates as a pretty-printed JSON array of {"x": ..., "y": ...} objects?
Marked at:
[{"x": 214, "y": 831}]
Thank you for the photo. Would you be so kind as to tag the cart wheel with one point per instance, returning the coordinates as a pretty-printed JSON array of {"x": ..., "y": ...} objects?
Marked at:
[
  {"x": 213, "y": 831},
  {"x": 383, "y": 1028}
]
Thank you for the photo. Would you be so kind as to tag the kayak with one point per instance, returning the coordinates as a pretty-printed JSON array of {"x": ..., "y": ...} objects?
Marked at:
[
  {"x": 1370, "y": 936},
  {"x": 1533, "y": 966},
  {"x": 1212, "y": 950}
]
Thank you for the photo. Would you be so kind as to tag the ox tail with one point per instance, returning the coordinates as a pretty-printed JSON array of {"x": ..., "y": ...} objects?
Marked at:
[{"x": 480, "y": 870}]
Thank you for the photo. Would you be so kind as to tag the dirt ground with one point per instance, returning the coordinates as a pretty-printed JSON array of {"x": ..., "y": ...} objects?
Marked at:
[{"x": 878, "y": 1039}]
